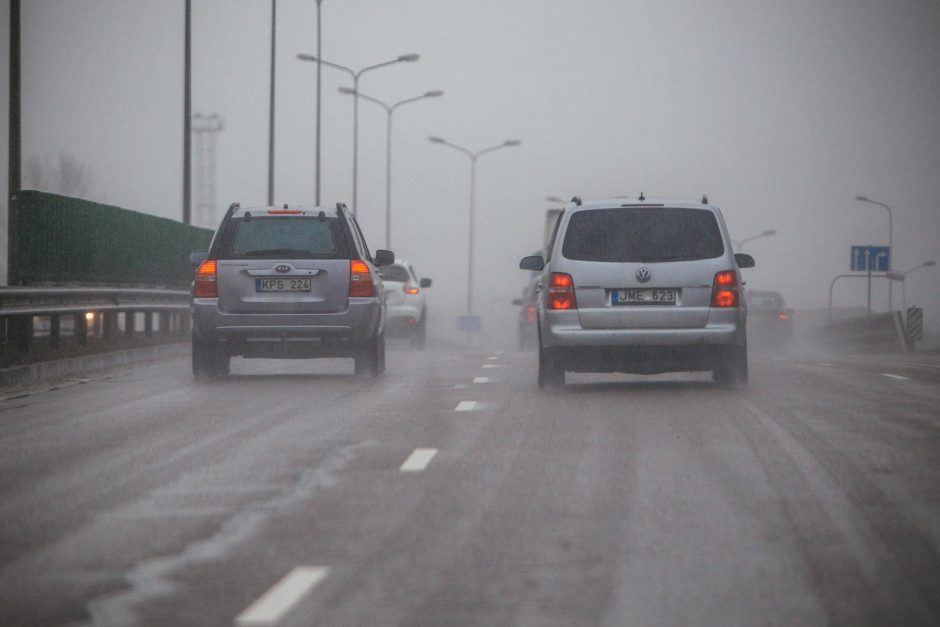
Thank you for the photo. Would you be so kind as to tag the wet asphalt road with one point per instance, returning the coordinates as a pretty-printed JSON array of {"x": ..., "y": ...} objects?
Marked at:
[{"x": 452, "y": 491}]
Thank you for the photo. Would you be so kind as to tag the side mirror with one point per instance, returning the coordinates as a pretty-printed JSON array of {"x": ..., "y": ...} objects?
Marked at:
[
  {"x": 384, "y": 257},
  {"x": 744, "y": 260},
  {"x": 532, "y": 262},
  {"x": 424, "y": 283},
  {"x": 517, "y": 301},
  {"x": 198, "y": 256}
]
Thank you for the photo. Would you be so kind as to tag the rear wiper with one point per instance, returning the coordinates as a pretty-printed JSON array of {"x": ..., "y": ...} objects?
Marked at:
[{"x": 275, "y": 252}]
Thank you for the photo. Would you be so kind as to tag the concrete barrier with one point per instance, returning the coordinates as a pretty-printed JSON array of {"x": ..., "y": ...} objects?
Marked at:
[{"x": 875, "y": 333}]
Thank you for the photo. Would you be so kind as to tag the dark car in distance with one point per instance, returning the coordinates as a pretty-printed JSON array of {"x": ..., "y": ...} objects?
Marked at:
[{"x": 770, "y": 321}]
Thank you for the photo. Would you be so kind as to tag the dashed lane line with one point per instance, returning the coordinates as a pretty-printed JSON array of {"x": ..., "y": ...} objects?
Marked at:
[
  {"x": 895, "y": 376},
  {"x": 418, "y": 460},
  {"x": 827, "y": 365},
  {"x": 483, "y": 380},
  {"x": 274, "y": 604},
  {"x": 466, "y": 406}
]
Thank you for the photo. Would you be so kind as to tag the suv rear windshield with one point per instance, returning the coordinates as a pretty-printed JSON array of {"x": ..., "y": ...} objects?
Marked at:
[
  {"x": 284, "y": 238},
  {"x": 643, "y": 235}
]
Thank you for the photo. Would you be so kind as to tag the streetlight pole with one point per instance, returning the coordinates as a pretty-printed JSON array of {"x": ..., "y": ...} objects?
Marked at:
[
  {"x": 389, "y": 110},
  {"x": 319, "y": 94},
  {"x": 890, "y": 242},
  {"x": 271, "y": 106},
  {"x": 405, "y": 58},
  {"x": 904, "y": 274},
  {"x": 739, "y": 244},
  {"x": 473, "y": 174}
]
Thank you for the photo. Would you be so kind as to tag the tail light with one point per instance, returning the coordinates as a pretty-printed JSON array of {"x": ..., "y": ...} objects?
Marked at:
[
  {"x": 410, "y": 289},
  {"x": 783, "y": 315},
  {"x": 561, "y": 291},
  {"x": 205, "y": 284},
  {"x": 725, "y": 289},
  {"x": 530, "y": 313},
  {"x": 360, "y": 279}
]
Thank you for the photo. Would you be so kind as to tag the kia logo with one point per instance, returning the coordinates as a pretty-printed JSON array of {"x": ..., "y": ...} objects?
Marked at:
[
  {"x": 282, "y": 267},
  {"x": 643, "y": 274}
]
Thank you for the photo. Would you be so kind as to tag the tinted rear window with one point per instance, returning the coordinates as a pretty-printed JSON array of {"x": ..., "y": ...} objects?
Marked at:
[
  {"x": 643, "y": 235},
  {"x": 283, "y": 238},
  {"x": 395, "y": 273}
]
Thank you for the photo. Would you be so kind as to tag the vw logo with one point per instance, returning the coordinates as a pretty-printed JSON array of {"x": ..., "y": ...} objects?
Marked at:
[
  {"x": 643, "y": 274},
  {"x": 283, "y": 267}
]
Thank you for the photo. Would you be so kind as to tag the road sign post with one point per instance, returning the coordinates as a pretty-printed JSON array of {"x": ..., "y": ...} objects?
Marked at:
[{"x": 870, "y": 259}]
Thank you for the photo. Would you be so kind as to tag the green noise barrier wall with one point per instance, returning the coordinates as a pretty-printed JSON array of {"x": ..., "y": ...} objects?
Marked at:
[{"x": 58, "y": 240}]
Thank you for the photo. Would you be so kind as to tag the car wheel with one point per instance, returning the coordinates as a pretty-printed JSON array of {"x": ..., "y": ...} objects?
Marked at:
[
  {"x": 209, "y": 361},
  {"x": 733, "y": 369},
  {"x": 370, "y": 358},
  {"x": 419, "y": 338},
  {"x": 551, "y": 372}
]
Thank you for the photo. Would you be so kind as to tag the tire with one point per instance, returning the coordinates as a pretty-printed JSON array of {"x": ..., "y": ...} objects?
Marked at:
[
  {"x": 420, "y": 336},
  {"x": 370, "y": 358},
  {"x": 732, "y": 372},
  {"x": 209, "y": 361},
  {"x": 551, "y": 372}
]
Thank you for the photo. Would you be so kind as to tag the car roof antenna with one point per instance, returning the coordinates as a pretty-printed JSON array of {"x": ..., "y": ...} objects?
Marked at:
[
  {"x": 704, "y": 199},
  {"x": 642, "y": 197}
]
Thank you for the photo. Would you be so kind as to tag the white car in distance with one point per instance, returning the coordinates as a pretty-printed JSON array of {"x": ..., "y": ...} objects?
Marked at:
[{"x": 406, "y": 314}]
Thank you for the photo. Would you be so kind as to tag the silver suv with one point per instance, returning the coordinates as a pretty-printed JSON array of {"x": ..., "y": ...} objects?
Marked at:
[
  {"x": 641, "y": 286},
  {"x": 291, "y": 282}
]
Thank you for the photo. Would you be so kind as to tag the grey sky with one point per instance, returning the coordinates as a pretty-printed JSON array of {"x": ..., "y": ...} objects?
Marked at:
[{"x": 781, "y": 112}]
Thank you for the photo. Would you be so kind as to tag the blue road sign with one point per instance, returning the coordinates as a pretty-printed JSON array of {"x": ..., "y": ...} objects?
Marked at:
[
  {"x": 469, "y": 324},
  {"x": 873, "y": 258}
]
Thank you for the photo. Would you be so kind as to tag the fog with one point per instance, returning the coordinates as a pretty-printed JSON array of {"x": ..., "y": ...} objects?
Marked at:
[{"x": 782, "y": 113}]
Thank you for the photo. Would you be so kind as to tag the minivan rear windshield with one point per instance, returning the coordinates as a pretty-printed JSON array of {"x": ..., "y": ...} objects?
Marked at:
[
  {"x": 643, "y": 235},
  {"x": 286, "y": 237}
]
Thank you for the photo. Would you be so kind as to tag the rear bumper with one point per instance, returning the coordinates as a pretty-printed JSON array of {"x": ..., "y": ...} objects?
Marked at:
[
  {"x": 642, "y": 350},
  {"x": 401, "y": 319},
  {"x": 288, "y": 335}
]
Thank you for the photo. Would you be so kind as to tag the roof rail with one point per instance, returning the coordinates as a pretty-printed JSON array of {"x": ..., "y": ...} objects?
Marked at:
[
  {"x": 704, "y": 199},
  {"x": 642, "y": 197},
  {"x": 576, "y": 200}
]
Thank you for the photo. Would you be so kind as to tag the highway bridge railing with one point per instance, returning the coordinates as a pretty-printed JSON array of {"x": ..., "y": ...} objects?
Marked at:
[{"x": 44, "y": 314}]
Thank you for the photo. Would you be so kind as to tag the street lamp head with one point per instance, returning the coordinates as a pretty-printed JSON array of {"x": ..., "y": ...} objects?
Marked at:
[
  {"x": 409, "y": 57},
  {"x": 347, "y": 90},
  {"x": 307, "y": 57},
  {"x": 894, "y": 276},
  {"x": 930, "y": 263},
  {"x": 436, "y": 93},
  {"x": 436, "y": 140},
  {"x": 511, "y": 142},
  {"x": 861, "y": 198},
  {"x": 770, "y": 232}
]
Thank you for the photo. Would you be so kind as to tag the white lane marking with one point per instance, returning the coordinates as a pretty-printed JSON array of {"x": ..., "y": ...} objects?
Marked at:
[
  {"x": 483, "y": 380},
  {"x": 895, "y": 376},
  {"x": 492, "y": 365},
  {"x": 274, "y": 604},
  {"x": 461, "y": 386},
  {"x": 418, "y": 460},
  {"x": 466, "y": 406},
  {"x": 492, "y": 357},
  {"x": 822, "y": 363},
  {"x": 912, "y": 364}
]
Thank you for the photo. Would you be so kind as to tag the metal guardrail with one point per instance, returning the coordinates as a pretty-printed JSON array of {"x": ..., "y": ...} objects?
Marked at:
[{"x": 101, "y": 311}]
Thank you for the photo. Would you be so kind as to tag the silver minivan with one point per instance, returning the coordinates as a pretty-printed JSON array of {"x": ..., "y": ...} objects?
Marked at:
[
  {"x": 641, "y": 286},
  {"x": 289, "y": 282}
]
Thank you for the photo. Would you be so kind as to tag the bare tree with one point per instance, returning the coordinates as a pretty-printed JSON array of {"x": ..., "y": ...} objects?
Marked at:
[{"x": 66, "y": 176}]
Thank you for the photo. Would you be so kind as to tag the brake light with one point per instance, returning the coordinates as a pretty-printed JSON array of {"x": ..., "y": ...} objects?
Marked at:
[
  {"x": 725, "y": 289},
  {"x": 561, "y": 291},
  {"x": 205, "y": 284},
  {"x": 410, "y": 289},
  {"x": 530, "y": 313},
  {"x": 360, "y": 279},
  {"x": 783, "y": 315}
]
